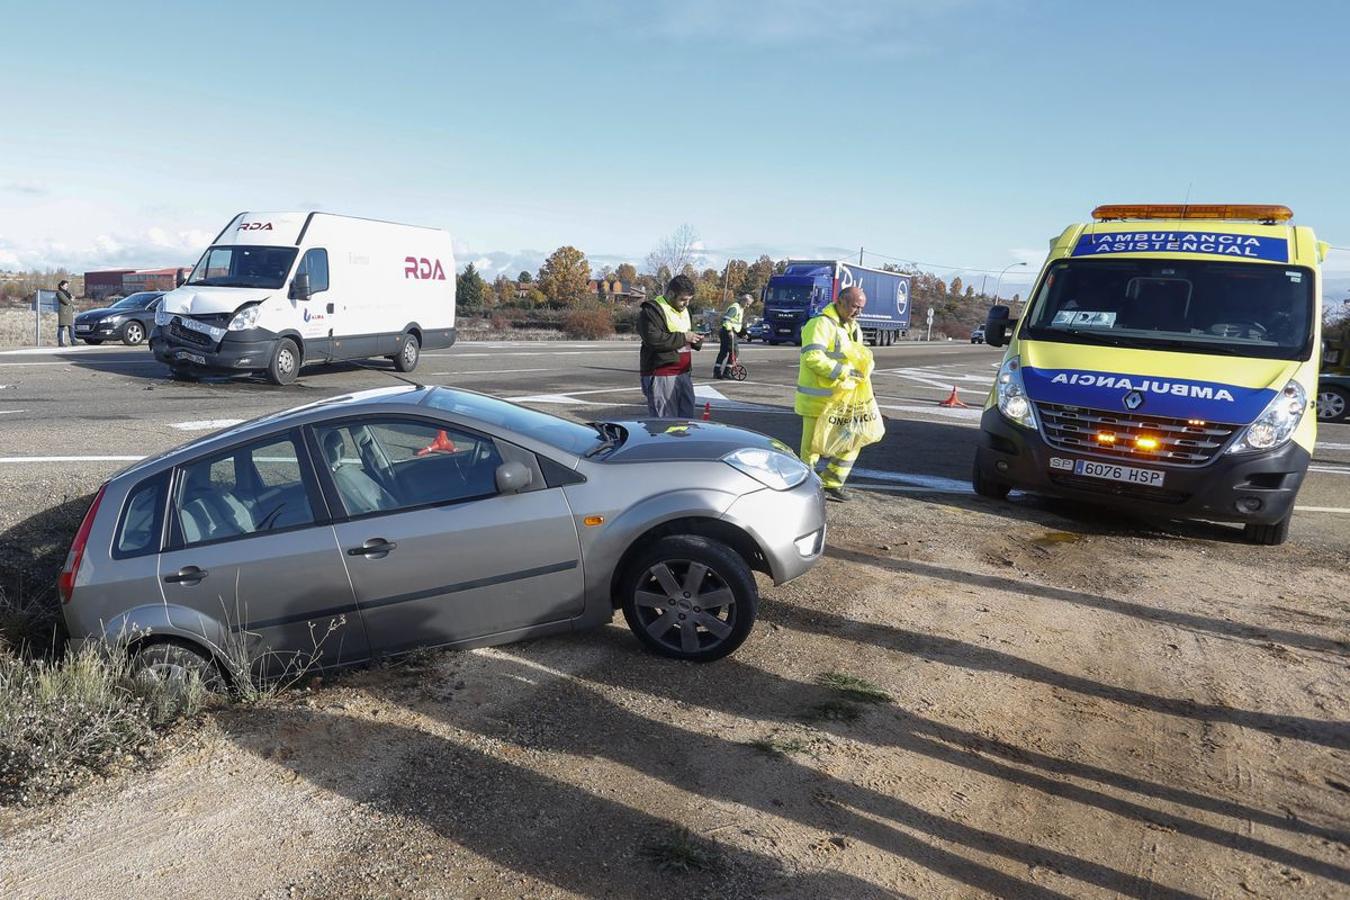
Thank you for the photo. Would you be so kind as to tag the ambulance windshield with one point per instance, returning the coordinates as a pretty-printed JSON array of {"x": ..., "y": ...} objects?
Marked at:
[
  {"x": 1238, "y": 309},
  {"x": 239, "y": 266}
]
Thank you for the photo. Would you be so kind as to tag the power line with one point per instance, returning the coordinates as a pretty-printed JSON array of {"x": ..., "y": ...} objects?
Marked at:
[{"x": 930, "y": 265}]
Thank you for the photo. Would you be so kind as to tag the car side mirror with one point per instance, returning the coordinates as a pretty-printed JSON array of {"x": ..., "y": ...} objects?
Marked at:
[
  {"x": 300, "y": 286},
  {"x": 997, "y": 326},
  {"x": 513, "y": 477}
]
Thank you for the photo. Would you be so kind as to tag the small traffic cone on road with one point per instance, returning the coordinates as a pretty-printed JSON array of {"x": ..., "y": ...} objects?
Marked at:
[
  {"x": 953, "y": 401},
  {"x": 707, "y": 411}
]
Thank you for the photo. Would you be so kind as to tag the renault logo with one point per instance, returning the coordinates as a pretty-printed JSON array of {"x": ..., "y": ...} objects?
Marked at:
[{"x": 1134, "y": 400}]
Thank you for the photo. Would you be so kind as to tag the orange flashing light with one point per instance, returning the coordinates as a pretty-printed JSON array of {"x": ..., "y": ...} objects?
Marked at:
[
  {"x": 1251, "y": 212},
  {"x": 1146, "y": 443},
  {"x": 1105, "y": 437},
  {"x": 1196, "y": 422}
]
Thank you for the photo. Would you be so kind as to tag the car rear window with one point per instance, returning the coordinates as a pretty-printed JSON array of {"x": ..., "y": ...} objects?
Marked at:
[{"x": 142, "y": 522}]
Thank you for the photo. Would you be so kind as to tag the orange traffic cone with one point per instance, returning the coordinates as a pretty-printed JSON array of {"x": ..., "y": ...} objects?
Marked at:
[
  {"x": 953, "y": 401},
  {"x": 707, "y": 411},
  {"x": 442, "y": 444}
]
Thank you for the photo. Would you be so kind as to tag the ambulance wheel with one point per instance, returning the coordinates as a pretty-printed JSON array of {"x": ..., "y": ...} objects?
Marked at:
[
  {"x": 985, "y": 487},
  {"x": 285, "y": 364},
  {"x": 738, "y": 372},
  {"x": 1267, "y": 535},
  {"x": 406, "y": 358}
]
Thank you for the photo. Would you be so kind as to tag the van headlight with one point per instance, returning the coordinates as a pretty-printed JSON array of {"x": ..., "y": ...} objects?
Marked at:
[
  {"x": 1277, "y": 422},
  {"x": 1013, "y": 401},
  {"x": 162, "y": 318},
  {"x": 246, "y": 318},
  {"x": 769, "y": 467}
]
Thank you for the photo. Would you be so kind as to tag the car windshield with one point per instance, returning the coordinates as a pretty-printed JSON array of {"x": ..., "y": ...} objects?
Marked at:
[
  {"x": 569, "y": 436},
  {"x": 788, "y": 295},
  {"x": 240, "y": 266},
  {"x": 1239, "y": 309},
  {"x": 135, "y": 301}
]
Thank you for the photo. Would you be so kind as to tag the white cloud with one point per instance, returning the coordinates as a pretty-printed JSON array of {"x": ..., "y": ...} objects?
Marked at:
[{"x": 150, "y": 248}]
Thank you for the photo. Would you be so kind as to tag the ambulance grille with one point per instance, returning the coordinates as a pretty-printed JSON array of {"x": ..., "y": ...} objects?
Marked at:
[{"x": 1180, "y": 441}]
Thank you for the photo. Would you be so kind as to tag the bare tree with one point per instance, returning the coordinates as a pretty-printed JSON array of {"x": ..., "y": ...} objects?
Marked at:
[{"x": 675, "y": 252}]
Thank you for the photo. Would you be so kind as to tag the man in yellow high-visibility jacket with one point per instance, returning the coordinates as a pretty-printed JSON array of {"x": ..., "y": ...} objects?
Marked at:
[
  {"x": 733, "y": 323},
  {"x": 829, "y": 341}
]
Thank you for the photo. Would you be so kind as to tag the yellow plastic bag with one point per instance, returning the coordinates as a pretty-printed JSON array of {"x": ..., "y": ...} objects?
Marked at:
[{"x": 851, "y": 421}]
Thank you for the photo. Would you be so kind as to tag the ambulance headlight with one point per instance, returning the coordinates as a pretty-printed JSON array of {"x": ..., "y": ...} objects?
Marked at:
[
  {"x": 769, "y": 467},
  {"x": 1013, "y": 401},
  {"x": 246, "y": 318},
  {"x": 1277, "y": 422}
]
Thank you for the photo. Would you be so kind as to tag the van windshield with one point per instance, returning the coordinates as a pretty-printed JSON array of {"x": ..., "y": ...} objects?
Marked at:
[
  {"x": 240, "y": 266},
  {"x": 1237, "y": 309},
  {"x": 788, "y": 296}
]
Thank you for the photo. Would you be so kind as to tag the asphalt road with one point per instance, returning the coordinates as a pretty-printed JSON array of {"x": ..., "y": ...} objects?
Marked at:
[{"x": 79, "y": 413}]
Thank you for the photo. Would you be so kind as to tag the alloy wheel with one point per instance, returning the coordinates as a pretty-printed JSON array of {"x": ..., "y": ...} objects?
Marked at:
[
  {"x": 1330, "y": 406},
  {"x": 685, "y": 605}
]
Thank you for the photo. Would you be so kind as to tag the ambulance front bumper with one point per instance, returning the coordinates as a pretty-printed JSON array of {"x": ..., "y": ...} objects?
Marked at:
[{"x": 1256, "y": 488}]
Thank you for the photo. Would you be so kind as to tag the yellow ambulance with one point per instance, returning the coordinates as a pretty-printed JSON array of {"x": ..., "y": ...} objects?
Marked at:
[{"x": 1165, "y": 362}]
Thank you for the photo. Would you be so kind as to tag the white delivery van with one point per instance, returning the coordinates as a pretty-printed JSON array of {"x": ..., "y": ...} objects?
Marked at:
[{"x": 279, "y": 290}]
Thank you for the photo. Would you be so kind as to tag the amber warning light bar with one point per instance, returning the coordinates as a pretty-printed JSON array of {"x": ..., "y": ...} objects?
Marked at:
[{"x": 1247, "y": 212}]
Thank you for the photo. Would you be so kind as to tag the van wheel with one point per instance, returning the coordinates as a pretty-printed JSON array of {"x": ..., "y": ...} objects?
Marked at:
[
  {"x": 689, "y": 598},
  {"x": 179, "y": 373},
  {"x": 1267, "y": 535},
  {"x": 285, "y": 364},
  {"x": 985, "y": 487},
  {"x": 406, "y": 358},
  {"x": 172, "y": 661}
]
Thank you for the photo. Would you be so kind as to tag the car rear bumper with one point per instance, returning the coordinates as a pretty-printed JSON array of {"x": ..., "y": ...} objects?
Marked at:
[
  {"x": 1257, "y": 488},
  {"x": 789, "y": 526}
]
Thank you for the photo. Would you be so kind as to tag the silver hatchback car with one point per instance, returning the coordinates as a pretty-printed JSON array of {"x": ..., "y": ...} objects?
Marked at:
[{"x": 407, "y": 517}]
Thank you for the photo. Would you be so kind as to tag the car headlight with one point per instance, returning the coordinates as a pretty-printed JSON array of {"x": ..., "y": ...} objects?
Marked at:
[
  {"x": 245, "y": 318},
  {"x": 113, "y": 320},
  {"x": 769, "y": 467},
  {"x": 162, "y": 318},
  {"x": 1277, "y": 421},
  {"x": 1013, "y": 401}
]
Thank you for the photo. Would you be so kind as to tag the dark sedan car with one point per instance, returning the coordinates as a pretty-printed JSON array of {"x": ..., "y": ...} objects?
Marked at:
[{"x": 128, "y": 320}]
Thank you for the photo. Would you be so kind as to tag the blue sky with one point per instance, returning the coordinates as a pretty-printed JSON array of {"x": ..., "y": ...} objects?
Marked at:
[{"x": 961, "y": 133}]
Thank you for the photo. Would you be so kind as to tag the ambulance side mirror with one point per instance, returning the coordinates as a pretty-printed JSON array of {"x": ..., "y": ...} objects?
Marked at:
[{"x": 998, "y": 325}]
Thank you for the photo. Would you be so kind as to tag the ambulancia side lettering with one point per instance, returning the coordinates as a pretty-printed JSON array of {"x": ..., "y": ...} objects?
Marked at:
[
  {"x": 1206, "y": 242},
  {"x": 423, "y": 269},
  {"x": 1145, "y": 385}
]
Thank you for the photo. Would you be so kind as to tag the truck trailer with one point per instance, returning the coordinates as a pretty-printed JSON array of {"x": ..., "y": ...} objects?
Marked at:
[{"x": 807, "y": 286}]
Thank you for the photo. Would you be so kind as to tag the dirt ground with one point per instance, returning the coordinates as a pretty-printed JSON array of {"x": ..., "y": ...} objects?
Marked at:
[{"x": 1079, "y": 707}]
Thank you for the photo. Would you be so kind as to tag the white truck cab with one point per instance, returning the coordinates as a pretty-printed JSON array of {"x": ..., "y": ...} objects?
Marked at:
[{"x": 279, "y": 290}]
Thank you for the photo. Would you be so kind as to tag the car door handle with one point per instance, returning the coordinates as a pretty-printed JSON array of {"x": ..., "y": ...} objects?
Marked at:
[
  {"x": 372, "y": 547},
  {"x": 186, "y": 575}
]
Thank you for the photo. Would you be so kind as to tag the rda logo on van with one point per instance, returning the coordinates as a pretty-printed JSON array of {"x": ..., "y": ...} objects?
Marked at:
[
  {"x": 254, "y": 226},
  {"x": 423, "y": 269}
]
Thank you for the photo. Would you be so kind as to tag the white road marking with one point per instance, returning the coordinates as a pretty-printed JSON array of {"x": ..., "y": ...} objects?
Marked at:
[
  {"x": 30, "y": 351},
  {"x": 916, "y": 482},
  {"x": 106, "y": 362},
  {"x": 1324, "y": 445},
  {"x": 51, "y": 459},
  {"x": 1322, "y": 509},
  {"x": 204, "y": 424},
  {"x": 1331, "y": 470},
  {"x": 562, "y": 399},
  {"x": 5, "y": 412},
  {"x": 970, "y": 416},
  {"x": 498, "y": 372},
  {"x": 909, "y": 488}
]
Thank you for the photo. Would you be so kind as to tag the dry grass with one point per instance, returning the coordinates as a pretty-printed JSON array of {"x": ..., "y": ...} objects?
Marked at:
[{"x": 16, "y": 328}]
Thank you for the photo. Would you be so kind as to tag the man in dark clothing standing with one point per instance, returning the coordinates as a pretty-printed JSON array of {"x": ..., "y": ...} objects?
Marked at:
[
  {"x": 666, "y": 361},
  {"x": 65, "y": 314}
]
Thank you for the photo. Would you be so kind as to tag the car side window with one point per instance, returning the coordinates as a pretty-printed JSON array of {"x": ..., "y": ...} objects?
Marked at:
[
  {"x": 386, "y": 465},
  {"x": 315, "y": 263},
  {"x": 244, "y": 491},
  {"x": 142, "y": 519}
]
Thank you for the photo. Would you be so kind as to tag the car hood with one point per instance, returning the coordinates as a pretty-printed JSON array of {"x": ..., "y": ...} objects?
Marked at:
[
  {"x": 194, "y": 301},
  {"x": 667, "y": 440},
  {"x": 98, "y": 315},
  {"x": 1229, "y": 389}
]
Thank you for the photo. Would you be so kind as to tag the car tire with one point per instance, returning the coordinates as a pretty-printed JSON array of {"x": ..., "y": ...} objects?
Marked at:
[
  {"x": 285, "y": 364},
  {"x": 171, "y": 659},
  {"x": 1267, "y": 535},
  {"x": 94, "y": 341},
  {"x": 133, "y": 334},
  {"x": 987, "y": 487},
  {"x": 1333, "y": 403},
  {"x": 674, "y": 620},
  {"x": 409, "y": 352},
  {"x": 179, "y": 373}
]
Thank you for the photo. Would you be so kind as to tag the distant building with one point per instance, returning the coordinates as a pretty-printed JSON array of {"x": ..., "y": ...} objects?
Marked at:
[{"x": 106, "y": 283}]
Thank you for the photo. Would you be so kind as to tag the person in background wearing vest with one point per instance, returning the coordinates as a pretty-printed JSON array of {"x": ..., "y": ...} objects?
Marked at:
[
  {"x": 733, "y": 323},
  {"x": 65, "y": 314},
  {"x": 668, "y": 342},
  {"x": 827, "y": 341}
]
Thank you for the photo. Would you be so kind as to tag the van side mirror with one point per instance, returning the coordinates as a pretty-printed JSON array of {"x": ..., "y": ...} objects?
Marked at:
[
  {"x": 998, "y": 325},
  {"x": 300, "y": 286},
  {"x": 179, "y": 279},
  {"x": 513, "y": 477}
]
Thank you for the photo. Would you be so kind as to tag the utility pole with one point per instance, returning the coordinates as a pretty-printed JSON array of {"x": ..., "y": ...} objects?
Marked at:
[
  {"x": 983, "y": 279},
  {"x": 860, "y": 250}
]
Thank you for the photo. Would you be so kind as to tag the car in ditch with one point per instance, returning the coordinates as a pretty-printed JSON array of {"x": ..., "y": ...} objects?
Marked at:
[{"x": 372, "y": 524}]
